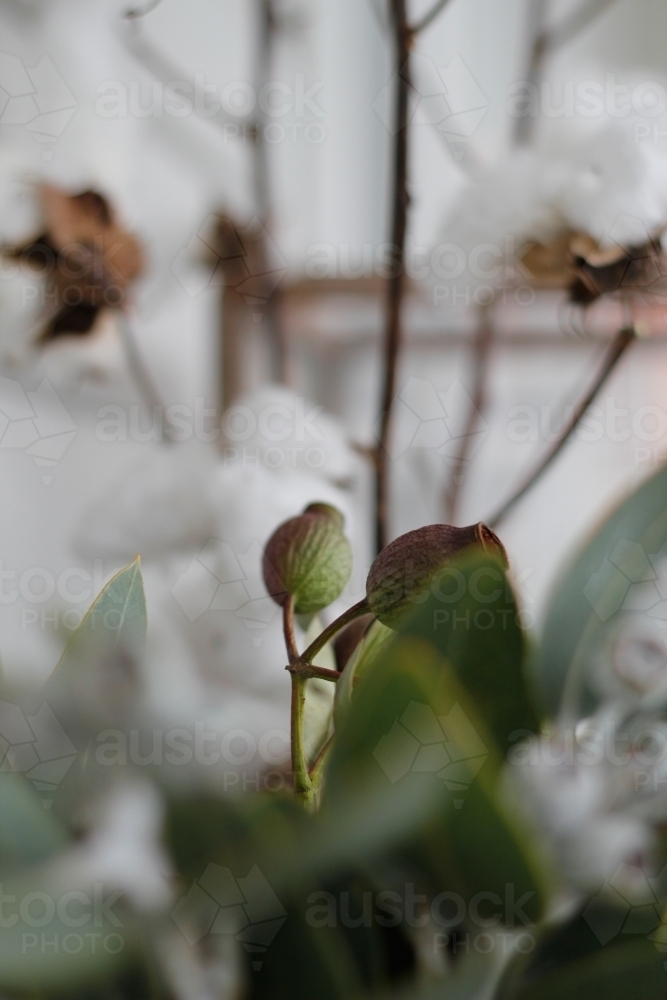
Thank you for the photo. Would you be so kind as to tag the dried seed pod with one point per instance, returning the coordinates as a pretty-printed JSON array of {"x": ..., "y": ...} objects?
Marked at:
[
  {"x": 401, "y": 574},
  {"x": 635, "y": 269},
  {"x": 308, "y": 558}
]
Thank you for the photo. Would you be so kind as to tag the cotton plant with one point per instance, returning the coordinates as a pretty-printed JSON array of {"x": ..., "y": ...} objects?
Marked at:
[
  {"x": 574, "y": 193},
  {"x": 475, "y": 818},
  {"x": 199, "y": 514}
]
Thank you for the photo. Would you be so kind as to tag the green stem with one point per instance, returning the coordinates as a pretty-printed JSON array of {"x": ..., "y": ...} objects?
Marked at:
[
  {"x": 301, "y": 778},
  {"x": 303, "y": 786},
  {"x": 356, "y": 611}
]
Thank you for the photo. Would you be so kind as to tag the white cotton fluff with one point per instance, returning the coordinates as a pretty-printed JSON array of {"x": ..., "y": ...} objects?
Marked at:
[
  {"x": 285, "y": 432},
  {"x": 604, "y": 183},
  {"x": 163, "y": 503}
]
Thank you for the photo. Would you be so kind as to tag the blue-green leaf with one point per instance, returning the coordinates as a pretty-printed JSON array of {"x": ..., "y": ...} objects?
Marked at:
[{"x": 591, "y": 596}]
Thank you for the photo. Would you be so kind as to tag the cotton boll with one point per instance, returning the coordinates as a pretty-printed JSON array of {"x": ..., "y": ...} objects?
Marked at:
[
  {"x": 516, "y": 199},
  {"x": 605, "y": 184},
  {"x": 286, "y": 433},
  {"x": 615, "y": 189},
  {"x": 163, "y": 503}
]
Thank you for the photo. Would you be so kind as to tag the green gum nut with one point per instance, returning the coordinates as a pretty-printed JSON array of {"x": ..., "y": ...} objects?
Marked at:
[
  {"x": 402, "y": 573},
  {"x": 308, "y": 558}
]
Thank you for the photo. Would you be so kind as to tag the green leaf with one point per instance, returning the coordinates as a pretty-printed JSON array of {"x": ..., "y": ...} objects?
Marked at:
[
  {"x": 471, "y": 618},
  {"x": 412, "y": 734},
  {"x": 367, "y": 650},
  {"x": 61, "y": 931},
  {"x": 318, "y": 706},
  {"x": 623, "y": 971},
  {"x": 28, "y": 833},
  {"x": 93, "y": 669},
  {"x": 588, "y": 600}
]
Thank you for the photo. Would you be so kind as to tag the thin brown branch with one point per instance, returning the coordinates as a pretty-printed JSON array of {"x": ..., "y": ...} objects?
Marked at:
[
  {"x": 268, "y": 26},
  {"x": 132, "y": 13},
  {"x": 429, "y": 17},
  {"x": 308, "y": 670},
  {"x": 546, "y": 41},
  {"x": 480, "y": 364},
  {"x": 574, "y": 23},
  {"x": 618, "y": 348},
  {"x": 395, "y": 283}
]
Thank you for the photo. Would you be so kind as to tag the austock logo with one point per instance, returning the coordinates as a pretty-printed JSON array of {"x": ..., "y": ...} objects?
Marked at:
[
  {"x": 419, "y": 741},
  {"x": 219, "y": 903},
  {"x": 36, "y": 746},
  {"x": 221, "y": 579}
]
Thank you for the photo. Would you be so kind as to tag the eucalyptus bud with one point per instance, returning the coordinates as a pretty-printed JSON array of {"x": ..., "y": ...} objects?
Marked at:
[
  {"x": 308, "y": 558},
  {"x": 402, "y": 573}
]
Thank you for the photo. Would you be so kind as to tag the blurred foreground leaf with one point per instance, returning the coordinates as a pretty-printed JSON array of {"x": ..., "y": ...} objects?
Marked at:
[
  {"x": 28, "y": 833},
  {"x": 570, "y": 961},
  {"x": 592, "y": 591},
  {"x": 471, "y": 618},
  {"x": 95, "y": 673}
]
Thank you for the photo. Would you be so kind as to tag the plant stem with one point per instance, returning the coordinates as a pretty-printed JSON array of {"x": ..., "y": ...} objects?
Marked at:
[
  {"x": 300, "y": 777},
  {"x": 620, "y": 344},
  {"x": 545, "y": 41},
  {"x": 288, "y": 630},
  {"x": 356, "y": 611},
  {"x": 310, "y": 670},
  {"x": 430, "y": 16},
  {"x": 395, "y": 284}
]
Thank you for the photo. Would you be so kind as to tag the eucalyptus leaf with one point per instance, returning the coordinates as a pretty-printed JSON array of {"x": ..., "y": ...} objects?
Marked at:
[
  {"x": 96, "y": 670},
  {"x": 28, "y": 833},
  {"x": 411, "y": 730},
  {"x": 591, "y": 595},
  {"x": 367, "y": 650},
  {"x": 625, "y": 971},
  {"x": 319, "y": 701},
  {"x": 61, "y": 930},
  {"x": 472, "y": 619}
]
